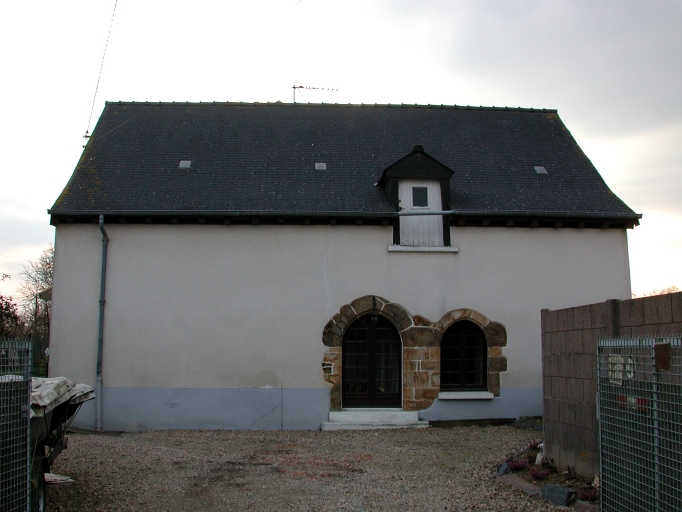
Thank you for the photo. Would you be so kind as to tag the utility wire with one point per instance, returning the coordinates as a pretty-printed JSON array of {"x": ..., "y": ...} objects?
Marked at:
[{"x": 92, "y": 108}]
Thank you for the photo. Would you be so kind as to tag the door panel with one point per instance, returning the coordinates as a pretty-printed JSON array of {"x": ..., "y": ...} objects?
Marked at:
[
  {"x": 372, "y": 364},
  {"x": 420, "y": 230}
]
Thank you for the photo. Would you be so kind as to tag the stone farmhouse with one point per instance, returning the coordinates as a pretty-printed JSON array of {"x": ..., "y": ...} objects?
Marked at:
[{"x": 298, "y": 266}]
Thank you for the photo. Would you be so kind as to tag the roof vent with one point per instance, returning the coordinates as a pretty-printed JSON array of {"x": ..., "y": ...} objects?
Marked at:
[
  {"x": 185, "y": 164},
  {"x": 540, "y": 169},
  {"x": 418, "y": 149},
  {"x": 320, "y": 166}
]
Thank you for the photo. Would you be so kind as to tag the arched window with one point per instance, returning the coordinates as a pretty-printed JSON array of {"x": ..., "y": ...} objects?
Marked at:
[{"x": 463, "y": 358}]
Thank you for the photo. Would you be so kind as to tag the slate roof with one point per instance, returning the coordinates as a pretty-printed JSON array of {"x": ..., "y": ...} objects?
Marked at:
[{"x": 255, "y": 157}]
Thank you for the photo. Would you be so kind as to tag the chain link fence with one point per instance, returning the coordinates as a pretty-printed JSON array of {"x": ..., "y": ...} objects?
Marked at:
[
  {"x": 15, "y": 401},
  {"x": 639, "y": 384}
]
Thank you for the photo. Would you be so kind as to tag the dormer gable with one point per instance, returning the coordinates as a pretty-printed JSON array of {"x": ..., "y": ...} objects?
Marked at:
[{"x": 417, "y": 165}]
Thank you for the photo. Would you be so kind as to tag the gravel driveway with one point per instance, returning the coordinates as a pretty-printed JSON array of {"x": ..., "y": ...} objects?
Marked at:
[{"x": 424, "y": 469}]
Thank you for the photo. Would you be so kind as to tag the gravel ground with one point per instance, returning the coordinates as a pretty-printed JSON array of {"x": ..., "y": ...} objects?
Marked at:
[{"x": 425, "y": 469}]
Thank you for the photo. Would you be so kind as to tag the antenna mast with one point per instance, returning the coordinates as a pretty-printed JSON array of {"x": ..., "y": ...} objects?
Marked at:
[
  {"x": 311, "y": 88},
  {"x": 99, "y": 76}
]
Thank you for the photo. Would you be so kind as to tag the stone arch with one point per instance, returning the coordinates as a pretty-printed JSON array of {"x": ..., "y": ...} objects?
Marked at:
[{"x": 333, "y": 332}]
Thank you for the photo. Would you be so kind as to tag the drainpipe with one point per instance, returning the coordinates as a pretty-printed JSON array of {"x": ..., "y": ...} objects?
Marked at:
[{"x": 100, "y": 338}]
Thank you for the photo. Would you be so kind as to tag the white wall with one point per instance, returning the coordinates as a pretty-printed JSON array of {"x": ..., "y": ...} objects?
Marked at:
[{"x": 202, "y": 306}]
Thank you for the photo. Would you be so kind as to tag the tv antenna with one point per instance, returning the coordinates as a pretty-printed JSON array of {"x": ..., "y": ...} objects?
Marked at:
[
  {"x": 99, "y": 76},
  {"x": 299, "y": 87}
]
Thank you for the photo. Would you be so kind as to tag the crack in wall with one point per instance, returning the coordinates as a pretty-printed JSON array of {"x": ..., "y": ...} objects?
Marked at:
[{"x": 272, "y": 411}]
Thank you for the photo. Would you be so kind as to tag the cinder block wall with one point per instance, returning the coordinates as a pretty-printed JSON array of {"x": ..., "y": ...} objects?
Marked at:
[{"x": 569, "y": 347}]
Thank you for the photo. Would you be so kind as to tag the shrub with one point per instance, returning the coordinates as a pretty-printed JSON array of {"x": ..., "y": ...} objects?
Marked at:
[
  {"x": 518, "y": 465},
  {"x": 539, "y": 474},
  {"x": 589, "y": 495}
]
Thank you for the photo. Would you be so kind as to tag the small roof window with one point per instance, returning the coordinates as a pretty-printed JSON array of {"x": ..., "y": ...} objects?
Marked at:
[
  {"x": 185, "y": 164},
  {"x": 420, "y": 197},
  {"x": 540, "y": 169},
  {"x": 320, "y": 166}
]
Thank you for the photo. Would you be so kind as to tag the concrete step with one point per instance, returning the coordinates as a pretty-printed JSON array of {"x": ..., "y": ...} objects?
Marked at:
[
  {"x": 368, "y": 419},
  {"x": 377, "y": 415},
  {"x": 329, "y": 426}
]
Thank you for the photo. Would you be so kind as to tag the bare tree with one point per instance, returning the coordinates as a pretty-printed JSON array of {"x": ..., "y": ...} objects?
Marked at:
[
  {"x": 11, "y": 325},
  {"x": 662, "y": 291},
  {"x": 37, "y": 277}
]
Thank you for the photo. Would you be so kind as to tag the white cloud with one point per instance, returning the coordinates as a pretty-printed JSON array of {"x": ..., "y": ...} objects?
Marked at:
[
  {"x": 610, "y": 68},
  {"x": 656, "y": 252}
]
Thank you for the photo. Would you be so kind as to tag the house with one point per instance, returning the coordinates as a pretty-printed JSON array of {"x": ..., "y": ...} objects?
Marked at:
[{"x": 258, "y": 266}]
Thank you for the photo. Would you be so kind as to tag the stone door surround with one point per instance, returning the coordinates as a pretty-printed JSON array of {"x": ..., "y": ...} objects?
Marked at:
[{"x": 421, "y": 348}]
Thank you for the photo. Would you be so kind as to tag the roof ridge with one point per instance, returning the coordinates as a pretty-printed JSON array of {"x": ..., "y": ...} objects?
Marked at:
[{"x": 347, "y": 105}]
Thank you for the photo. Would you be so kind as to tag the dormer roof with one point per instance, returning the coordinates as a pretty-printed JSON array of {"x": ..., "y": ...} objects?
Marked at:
[{"x": 417, "y": 165}]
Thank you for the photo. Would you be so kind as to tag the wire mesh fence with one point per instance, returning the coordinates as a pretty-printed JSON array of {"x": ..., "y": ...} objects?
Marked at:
[
  {"x": 15, "y": 400},
  {"x": 640, "y": 423}
]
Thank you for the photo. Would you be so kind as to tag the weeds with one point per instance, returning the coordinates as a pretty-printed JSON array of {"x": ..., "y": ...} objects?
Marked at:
[
  {"x": 538, "y": 474},
  {"x": 518, "y": 465},
  {"x": 589, "y": 494}
]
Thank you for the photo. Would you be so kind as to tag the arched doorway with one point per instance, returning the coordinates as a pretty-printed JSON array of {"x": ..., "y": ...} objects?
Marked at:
[
  {"x": 372, "y": 364},
  {"x": 463, "y": 358}
]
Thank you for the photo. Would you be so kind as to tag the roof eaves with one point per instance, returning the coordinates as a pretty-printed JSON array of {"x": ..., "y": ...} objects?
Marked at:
[
  {"x": 331, "y": 213},
  {"x": 225, "y": 213}
]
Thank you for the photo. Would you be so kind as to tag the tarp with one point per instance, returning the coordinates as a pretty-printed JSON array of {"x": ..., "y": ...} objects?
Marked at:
[{"x": 46, "y": 394}]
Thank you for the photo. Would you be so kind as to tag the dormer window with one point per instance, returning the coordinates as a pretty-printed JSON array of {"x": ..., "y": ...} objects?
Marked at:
[
  {"x": 418, "y": 187},
  {"x": 421, "y": 197}
]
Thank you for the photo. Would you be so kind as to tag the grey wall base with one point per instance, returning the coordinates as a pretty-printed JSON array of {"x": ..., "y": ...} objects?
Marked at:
[
  {"x": 512, "y": 403},
  {"x": 141, "y": 409}
]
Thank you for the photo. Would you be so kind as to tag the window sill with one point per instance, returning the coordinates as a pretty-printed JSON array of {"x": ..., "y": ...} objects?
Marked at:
[
  {"x": 465, "y": 395},
  {"x": 407, "y": 248}
]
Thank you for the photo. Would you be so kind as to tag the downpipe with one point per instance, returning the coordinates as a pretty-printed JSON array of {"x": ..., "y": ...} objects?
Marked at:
[{"x": 100, "y": 337}]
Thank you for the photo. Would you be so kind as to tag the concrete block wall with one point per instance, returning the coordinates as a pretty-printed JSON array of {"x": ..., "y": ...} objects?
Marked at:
[{"x": 569, "y": 347}]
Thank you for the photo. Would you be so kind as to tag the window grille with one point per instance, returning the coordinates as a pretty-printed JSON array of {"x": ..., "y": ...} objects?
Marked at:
[
  {"x": 639, "y": 384},
  {"x": 464, "y": 361},
  {"x": 372, "y": 364}
]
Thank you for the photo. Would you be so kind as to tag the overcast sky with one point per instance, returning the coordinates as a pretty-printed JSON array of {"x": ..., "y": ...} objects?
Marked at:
[{"x": 611, "y": 68}]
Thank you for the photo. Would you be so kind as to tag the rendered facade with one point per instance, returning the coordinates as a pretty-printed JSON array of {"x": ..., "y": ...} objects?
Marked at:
[{"x": 269, "y": 264}]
